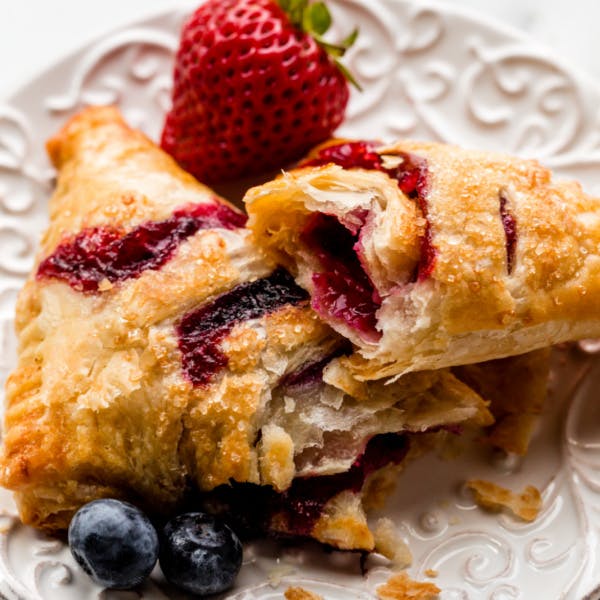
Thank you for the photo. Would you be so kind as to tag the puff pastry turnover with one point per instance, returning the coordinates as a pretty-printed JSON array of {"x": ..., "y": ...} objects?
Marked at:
[
  {"x": 426, "y": 255},
  {"x": 161, "y": 354}
]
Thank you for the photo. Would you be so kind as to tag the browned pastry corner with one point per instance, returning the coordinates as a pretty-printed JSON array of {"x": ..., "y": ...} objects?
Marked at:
[{"x": 516, "y": 387}]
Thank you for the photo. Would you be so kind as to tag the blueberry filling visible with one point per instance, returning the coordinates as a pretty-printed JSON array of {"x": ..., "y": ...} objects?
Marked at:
[
  {"x": 509, "y": 223},
  {"x": 201, "y": 331},
  {"x": 342, "y": 289},
  {"x": 106, "y": 253},
  {"x": 300, "y": 507}
]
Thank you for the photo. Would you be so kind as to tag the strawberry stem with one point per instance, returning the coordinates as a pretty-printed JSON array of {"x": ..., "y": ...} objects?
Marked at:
[{"x": 315, "y": 20}]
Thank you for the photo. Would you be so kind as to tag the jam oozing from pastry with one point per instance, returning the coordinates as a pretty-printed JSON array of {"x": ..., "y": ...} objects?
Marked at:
[
  {"x": 409, "y": 170},
  {"x": 202, "y": 331},
  {"x": 101, "y": 254},
  {"x": 509, "y": 223},
  {"x": 342, "y": 289},
  {"x": 255, "y": 507}
]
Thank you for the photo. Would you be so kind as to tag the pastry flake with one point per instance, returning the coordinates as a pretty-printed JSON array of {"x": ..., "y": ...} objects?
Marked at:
[
  {"x": 299, "y": 593},
  {"x": 401, "y": 587},
  {"x": 390, "y": 544},
  {"x": 491, "y": 496}
]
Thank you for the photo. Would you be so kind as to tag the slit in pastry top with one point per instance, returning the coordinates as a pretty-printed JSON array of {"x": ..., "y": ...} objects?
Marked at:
[{"x": 509, "y": 223}]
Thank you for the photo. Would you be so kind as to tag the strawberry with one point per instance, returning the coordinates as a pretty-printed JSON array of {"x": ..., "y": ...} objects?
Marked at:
[{"x": 255, "y": 86}]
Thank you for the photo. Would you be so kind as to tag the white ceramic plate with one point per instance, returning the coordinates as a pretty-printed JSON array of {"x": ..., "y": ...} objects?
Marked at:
[{"x": 428, "y": 72}]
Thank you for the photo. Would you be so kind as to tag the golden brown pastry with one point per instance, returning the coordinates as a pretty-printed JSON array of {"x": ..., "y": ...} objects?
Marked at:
[
  {"x": 427, "y": 256},
  {"x": 160, "y": 353}
]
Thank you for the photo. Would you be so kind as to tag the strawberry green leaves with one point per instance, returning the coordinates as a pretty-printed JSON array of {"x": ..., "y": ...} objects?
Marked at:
[{"x": 315, "y": 19}]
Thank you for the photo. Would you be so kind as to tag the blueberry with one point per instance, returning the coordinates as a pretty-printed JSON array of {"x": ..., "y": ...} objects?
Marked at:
[
  {"x": 200, "y": 554},
  {"x": 114, "y": 543}
]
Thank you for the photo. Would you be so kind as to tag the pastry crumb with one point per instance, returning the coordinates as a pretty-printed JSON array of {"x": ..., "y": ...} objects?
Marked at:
[
  {"x": 298, "y": 593},
  {"x": 401, "y": 587},
  {"x": 390, "y": 544},
  {"x": 491, "y": 496},
  {"x": 431, "y": 573}
]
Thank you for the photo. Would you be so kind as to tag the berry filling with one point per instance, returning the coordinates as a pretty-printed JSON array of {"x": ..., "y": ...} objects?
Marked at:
[
  {"x": 509, "y": 223},
  {"x": 202, "y": 331},
  {"x": 102, "y": 254},
  {"x": 410, "y": 173},
  {"x": 303, "y": 503},
  {"x": 342, "y": 289}
]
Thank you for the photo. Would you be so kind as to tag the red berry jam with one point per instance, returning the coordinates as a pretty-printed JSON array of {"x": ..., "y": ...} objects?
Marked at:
[
  {"x": 106, "y": 253},
  {"x": 202, "y": 331},
  {"x": 342, "y": 289},
  {"x": 411, "y": 175},
  {"x": 349, "y": 155},
  {"x": 509, "y": 223}
]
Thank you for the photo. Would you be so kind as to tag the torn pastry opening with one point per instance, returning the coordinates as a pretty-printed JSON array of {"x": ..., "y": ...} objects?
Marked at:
[
  {"x": 351, "y": 240},
  {"x": 326, "y": 456}
]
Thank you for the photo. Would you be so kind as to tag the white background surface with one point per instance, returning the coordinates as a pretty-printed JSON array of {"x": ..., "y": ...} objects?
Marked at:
[{"x": 35, "y": 33}]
